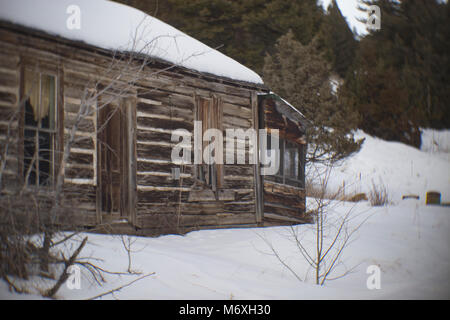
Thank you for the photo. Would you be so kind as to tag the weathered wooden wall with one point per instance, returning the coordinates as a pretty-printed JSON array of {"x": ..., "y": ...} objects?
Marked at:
[
  {"x": 163, "y": 101},
  {"x": 283, "y": 203},
  {"x": 165, "y": 201}
]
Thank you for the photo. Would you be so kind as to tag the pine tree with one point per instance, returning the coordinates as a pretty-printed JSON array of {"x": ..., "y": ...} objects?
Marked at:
[
  {"x": 242, "y": 29},
  {"x": 301, "y": 75},
  {"x": 400, "y": 79},
  {"x": 337, "y": 40}
]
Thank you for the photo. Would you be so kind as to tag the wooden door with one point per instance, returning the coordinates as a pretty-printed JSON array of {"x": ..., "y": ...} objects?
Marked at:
[{"x": 113, "y": 158}]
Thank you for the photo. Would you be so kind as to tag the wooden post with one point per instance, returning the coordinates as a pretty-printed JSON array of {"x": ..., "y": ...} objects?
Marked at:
[
  {"x": 257, "y": 174},
  {"x": 132, "y": 158}
]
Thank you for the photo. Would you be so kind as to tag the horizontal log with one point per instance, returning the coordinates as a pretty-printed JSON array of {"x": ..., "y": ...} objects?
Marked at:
[
  {"x": 74, "y": 91},
  {"x": 165, "y": 123},
  {"x": 154, "y": 152},
  {"x": 162, "y": 167},
  {"x": 237, "y": 122},
  {"x": 238, "y": 170},
  {"x": 173, "y": 220},
  {"x": 142, "y": 135},
  {"x": 200, "y": 83},
  {"x": 9, "y": 79},
  {"x": 8, "y": 98},
  {"x": 162, "y": 181},
  {"x": 149, "y": 197},
  {"x": 76, "y": 193},
  {"x": 7, "y": 113},
  {"x": 81, "y": 142},
  {"x": 244, "y": 195},
  {"x": 287, "y": 200},
  {"x": 81, "y": 158},
  {"x": 283, "y": 189},
  {"x": 237, "y": 110},
  {"x": 73, "y": 106},
  {"x": 84, "y": 124},
  {"x": 272, "y": 216},
  {"x": 237, "y": 184},
  {"x": 288, "y": 212},
  {"x": 184, "y": 112},
  {"x": 83, "y": 173}
]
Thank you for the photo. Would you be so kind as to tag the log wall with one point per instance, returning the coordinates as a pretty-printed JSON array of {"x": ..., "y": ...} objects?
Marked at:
[
  {"x": 283, "y": 203},
  {"x": 163, "y": 101}
]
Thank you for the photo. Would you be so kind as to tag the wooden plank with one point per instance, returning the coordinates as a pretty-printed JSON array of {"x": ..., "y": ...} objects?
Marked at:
[
  {"x": 74, "y": 172},
  {"x": 256, "y": 169},
  {"x": 132, "y": 159},
  {"x": 8, "y": 98},
  {"x": 154, "y": 152},
  {"x": 161, "y": 167},
  {"x": 8, "y": 79},
  {"x": 161, "y": 181},
  {"x": 80, "y": 158},
  {"x": 167, "y": 110},
  {"x": 161, "y": 196},
  {"x": 165, "y": 220},
  {"x": 283, "y": 189},
  {"x": 274, "y": 216},
  {"x": 165, "y": 123}
]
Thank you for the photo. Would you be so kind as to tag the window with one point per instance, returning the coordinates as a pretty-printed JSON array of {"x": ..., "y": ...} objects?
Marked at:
[
  {"x": 209, "y": 111},
  {"x": 39, "y": 128},
  {"x": 291, "y": 169},
  {"x": 291, "y": 162}
]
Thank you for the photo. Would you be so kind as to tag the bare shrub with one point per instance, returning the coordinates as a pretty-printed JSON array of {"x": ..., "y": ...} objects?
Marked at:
[
  {"x": 332, "y": 233},
  {"x": 378, "y": 195}
]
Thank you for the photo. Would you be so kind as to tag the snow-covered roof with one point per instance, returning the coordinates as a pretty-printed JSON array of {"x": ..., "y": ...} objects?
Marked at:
[
  {"x": 291, "y": 112},
  {"x": 113, "y": 26}
]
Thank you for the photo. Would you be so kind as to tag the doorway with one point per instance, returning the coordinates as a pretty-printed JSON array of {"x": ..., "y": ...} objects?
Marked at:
[{"x": 113, "y": 162}]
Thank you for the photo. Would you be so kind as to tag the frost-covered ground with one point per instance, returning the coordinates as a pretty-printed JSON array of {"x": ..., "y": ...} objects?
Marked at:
[{"x": 407, "y": 240}]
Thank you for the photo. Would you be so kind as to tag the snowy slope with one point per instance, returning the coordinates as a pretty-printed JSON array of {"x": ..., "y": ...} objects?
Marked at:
[
  {"x": 402, "y": 169},
  {"x": 113, "y": 26},
  {"x": 349, "y": 9}
]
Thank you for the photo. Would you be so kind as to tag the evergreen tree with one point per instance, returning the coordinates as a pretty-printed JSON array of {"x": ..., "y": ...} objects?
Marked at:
[
  {"x": 400, "y": 80},
  {"x": 337, "y": 40},
  {"x": 301, "y": 75},
  {"x": 242, "y": 29}
]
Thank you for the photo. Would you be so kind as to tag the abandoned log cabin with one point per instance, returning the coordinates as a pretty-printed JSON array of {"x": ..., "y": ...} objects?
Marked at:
[{"x": 91, "y": 123}]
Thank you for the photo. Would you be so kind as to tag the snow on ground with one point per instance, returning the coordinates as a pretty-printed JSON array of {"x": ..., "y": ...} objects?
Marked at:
[
  {"x": 111, "y": 25},
  {"x": 436, "y": 141},
  {"x": 409, "y": 243},
  {"x": 407, "y": 240},
  {"x": 402, "y": 169}
]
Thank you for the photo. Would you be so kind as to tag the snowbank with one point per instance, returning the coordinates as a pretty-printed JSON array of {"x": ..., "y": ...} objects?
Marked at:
[
  {"x": 435, "y": 141},
  {"x": 409, "y": 243},
  {"x": 402, "y": 169},
  {"x": 113, "y": 26}
]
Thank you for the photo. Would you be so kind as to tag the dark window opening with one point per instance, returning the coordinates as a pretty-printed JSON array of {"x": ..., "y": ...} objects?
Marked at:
[
  {"x": 39, "y": 128},
  {"x": 292, "y": 162}
]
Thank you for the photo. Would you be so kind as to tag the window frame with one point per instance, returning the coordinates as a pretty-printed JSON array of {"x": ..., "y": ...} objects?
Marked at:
[
  {"x": 281, "y": 176},
  {"x": 56, "y": 138}
]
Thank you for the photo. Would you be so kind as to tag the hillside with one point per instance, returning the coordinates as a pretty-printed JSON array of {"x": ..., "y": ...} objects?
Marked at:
[{"x": 402, "y": 169}]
